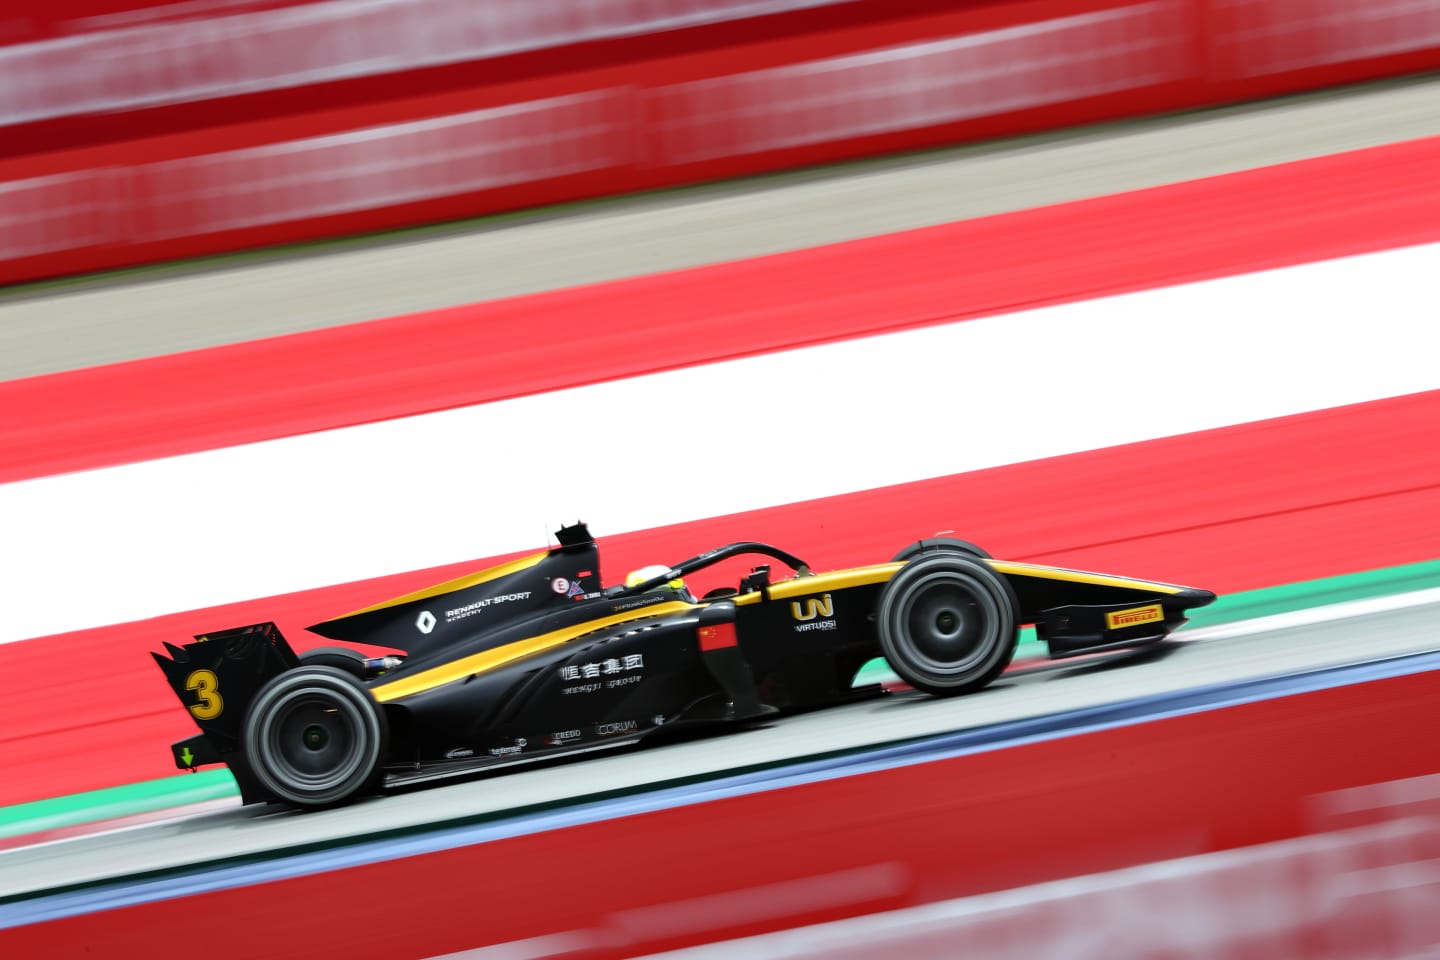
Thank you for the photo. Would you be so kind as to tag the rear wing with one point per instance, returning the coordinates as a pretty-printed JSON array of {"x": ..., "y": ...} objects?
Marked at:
[{"x": 216, "y": 677}]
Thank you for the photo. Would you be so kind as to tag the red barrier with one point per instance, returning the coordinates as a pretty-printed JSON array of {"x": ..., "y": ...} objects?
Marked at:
[
  {"x": 259, "y": 41},
  {"x": 830, "y": 95},
  {"x": 1169, "y": 788},
  {"x": 90, "y": 71},
  {"x": 26, "y": 21}
]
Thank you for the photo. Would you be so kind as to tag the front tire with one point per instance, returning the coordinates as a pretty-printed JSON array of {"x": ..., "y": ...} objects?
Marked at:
[
  {"x": 947, "y": 623},
  {"x": 315, "y": 737},
  {"x": 936, "y": 545}
]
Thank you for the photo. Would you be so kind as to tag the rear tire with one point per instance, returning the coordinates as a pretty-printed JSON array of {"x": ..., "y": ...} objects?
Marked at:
[
  {"x": 341, "y": 658},
  {"x": 315, "y": 737},
  {"x": 947, "y": 623}
]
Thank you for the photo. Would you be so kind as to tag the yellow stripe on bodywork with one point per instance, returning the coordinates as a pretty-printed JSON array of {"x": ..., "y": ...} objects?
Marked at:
[
  {"x": 820, "y": 582},
  {"x": 1041, "y": 572},
  {"x": 499, "y": 656},
  {"x": 450, "y": 586},
  {"x": 881, "y": 572}
]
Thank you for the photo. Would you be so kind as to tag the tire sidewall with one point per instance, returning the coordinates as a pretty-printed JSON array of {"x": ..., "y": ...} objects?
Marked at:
[
  {"x": 348, "y": 695},
  {"x": 991, "y": 594}
]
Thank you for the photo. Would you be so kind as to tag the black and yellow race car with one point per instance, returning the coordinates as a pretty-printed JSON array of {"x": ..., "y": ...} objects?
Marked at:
[{"x": 535, "y": 658}]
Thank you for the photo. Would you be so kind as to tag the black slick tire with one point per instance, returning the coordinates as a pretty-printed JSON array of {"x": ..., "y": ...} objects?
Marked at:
[
  {"x": 341, "y": 658},
  {"x": 947, "y": 623},
  {"x": 937, "y": 545},
  {"x": 315, "y": 737}
]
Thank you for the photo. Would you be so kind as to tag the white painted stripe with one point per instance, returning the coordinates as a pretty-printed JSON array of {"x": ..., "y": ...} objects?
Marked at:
[{"x": 147, "y": 539}]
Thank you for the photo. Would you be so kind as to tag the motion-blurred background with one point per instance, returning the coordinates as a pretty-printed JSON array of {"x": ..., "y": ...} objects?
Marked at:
[{"x": 309, "y": 303}]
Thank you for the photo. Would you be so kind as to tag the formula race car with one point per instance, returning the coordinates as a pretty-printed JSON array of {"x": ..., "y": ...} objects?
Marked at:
[{"x": 535, "y": 658}]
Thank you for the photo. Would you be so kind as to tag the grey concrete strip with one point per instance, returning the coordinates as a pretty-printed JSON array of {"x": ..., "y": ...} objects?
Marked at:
[
  {"x": 185, "y": 308},
  {"x": 1271, "y": 646}
]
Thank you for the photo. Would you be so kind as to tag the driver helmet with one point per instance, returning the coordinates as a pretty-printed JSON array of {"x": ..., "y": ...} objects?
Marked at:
[{"x": 676, "y": 586}]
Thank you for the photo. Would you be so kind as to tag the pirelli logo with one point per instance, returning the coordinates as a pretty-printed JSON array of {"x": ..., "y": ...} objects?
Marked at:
[{"x": 1119, "y": 619}]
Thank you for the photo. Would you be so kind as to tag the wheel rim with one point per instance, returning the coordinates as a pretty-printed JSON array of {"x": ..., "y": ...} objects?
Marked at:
[
  {"x": 315, "y": 741},
  {"x": 950, "y": 621},
  {"x": 315, "y": 737}
]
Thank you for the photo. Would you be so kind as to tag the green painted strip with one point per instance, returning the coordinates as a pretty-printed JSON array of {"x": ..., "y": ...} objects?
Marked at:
[
  {"x": 113, "y": 802},
  {"x": 152, "y": 795},
  {"x": 1385, "y": 582}
]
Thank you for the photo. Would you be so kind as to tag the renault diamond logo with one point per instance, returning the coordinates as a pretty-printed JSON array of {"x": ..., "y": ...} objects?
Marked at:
[{"x": 425, "y": 622}]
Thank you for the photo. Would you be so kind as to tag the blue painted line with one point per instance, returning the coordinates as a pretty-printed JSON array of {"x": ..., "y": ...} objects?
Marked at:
[{"x": 204, "y": 879}]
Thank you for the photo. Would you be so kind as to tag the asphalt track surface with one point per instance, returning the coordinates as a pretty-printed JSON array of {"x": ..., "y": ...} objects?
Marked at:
[
  {"x": 1342, "y": 634},
  {"x": 170, "y": 309}
]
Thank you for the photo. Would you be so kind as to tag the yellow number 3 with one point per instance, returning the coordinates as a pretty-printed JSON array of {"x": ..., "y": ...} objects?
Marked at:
[{"x": 207, "y": 688}]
